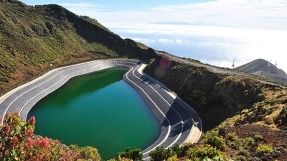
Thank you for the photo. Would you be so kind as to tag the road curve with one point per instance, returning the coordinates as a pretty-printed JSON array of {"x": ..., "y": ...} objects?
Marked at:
[{"x": 179, "y": 122}]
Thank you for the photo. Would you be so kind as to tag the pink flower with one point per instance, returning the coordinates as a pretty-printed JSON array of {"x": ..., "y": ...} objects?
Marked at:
[
  {"x": 30, "y": 142},
  {"x": 30, "y": 132},
  {"x": 44, "y": 142},
  {"x": 14, "y": 140},
  {"x": 32, "y": 120},
  {"x": 6, "y": 129},
  {"x": 7, "y": 115}
]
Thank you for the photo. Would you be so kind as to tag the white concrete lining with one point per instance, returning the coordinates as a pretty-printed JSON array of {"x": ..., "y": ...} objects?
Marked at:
[{"x": 80, "y": 69}]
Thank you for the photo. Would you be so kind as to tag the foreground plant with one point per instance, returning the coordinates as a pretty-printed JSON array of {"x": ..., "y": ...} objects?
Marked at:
[{"x": 18, "y": 142}]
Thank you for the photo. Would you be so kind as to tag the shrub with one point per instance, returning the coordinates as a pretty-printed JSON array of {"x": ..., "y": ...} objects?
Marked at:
[
  {"x": 248, "y": 141},
  {"x": 231, "y": 137},
  {"x": 133, "y": 154},
  {"x": 243, "y": 152},
  {"x": 179, "y": 151},
  {"x": 240, "y": 158},
  {"x": 214, "y": 140},
  {"x": 258, "y": 138},
  {"x": 89, "y": 153},
  {"x": 18, "y": 142},
  {"x": 120, "y": 159},
  {"x": 200, "y": 152},
  {"x": 281, "y": 119},
  {"x": 263, "y": 149},
  {"x": 173, "y": 158},
  {"x": 199, "y": 97},
  {"x": 161, "y": 154}
]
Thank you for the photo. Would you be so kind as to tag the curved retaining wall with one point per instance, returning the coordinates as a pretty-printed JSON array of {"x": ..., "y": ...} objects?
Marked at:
[{"x": 179, "y": 122}]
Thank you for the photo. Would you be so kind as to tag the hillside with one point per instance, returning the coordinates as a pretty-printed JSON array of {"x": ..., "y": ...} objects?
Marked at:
[
  {"x": 264, "y": 69},
  {"x": 31, "y": 37},
  {"x": 238, "y": 111},
  {"x": 229, "y": 105}
]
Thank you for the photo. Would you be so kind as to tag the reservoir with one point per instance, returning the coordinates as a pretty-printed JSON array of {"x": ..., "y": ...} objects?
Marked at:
[{"x": 100, "y": 110}]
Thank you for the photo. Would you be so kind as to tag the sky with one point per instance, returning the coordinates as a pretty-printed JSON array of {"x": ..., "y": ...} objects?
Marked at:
[{"x": 212, "y": 31}]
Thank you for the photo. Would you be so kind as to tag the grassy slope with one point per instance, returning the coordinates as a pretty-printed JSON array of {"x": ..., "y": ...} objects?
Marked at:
[
  {"x": 33, "y": 37},
  {"x": 234, "y": 109}
]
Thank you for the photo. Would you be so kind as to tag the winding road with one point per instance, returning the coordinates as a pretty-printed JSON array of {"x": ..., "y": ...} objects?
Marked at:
[{"x": 179, "y": 122}]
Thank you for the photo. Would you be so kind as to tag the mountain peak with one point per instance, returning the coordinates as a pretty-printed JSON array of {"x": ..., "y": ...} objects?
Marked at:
[
  {"x": 265, "y": 69},
  {"x": 13, "y": 1}
]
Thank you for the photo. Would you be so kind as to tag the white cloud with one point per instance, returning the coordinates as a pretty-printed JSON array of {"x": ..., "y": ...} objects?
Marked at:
[
  {"x": 268, "y": 14},
  {"x": 220, "y": 45},
  {"x": 81, "y": 5},
  {"x": 143, "y": 40},
  {"x": 237, "y": 21}
]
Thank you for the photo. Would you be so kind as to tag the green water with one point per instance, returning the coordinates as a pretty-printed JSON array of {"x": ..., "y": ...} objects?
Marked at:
[{"x": 99, "y": 110}]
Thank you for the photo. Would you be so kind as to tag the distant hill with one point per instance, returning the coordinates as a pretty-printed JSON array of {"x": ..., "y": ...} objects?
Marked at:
[{"x": 264, "y": 69}]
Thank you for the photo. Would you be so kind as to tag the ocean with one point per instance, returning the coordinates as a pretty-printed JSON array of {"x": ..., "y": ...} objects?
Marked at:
[{"x": 213, "y": 45}]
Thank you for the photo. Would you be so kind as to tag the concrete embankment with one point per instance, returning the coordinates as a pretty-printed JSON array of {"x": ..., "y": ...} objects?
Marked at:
[{"x": 179, "y": 122}]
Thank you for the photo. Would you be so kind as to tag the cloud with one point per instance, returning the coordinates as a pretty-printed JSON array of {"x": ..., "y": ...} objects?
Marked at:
[
  {"x": 231, "y": 13},
  {"x": 81, "y": 5},
  {"x": 266, "y": 14},
  {"x": 240, "y": 29},
  {"x": 213, "y": 44},
  {"x": 90, "y": 9}
]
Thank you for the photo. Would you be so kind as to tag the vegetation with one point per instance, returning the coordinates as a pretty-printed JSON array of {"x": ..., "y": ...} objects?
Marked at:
[
  {"x": 133, "y": 154},
  {"x": 31, "y": 37},
  {"x": 264, "y": 149},
  {"x": 18, "y": 142},
  {"x": 211, "y": 148}
]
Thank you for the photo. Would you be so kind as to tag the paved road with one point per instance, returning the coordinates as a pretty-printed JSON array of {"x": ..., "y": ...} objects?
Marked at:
[
  {"x": 179, "y": 122},
  {"x": 176, "y": 117}
]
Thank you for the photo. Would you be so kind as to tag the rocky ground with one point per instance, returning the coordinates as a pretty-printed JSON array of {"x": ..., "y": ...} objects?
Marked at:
[{"x": 274, "y": 137}]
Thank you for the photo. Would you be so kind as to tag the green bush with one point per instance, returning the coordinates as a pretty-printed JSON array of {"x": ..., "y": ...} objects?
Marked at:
[
  {"x": 133, "y": 154},
  {"x": 281, "y": 119},
  {"x": 263, "y": 149},
  {"x": 173, "y": 158},
  {"x": 214, "y": 140},
  {"x": 248, "y": 141},
  {"x": 199, "y": 97},
  {"x": 90, "y": 153},
  {"x": 200, "y": 152},
  {"x": 120, "y": 159},
  {"x": 179, "y": 151},
  {"x": 258, "y": 138},
  {"x": 161, "y": 154},
  {"x": 240, "y": 158},
  {"x": 231, "y": 137},
  {"x": 243, "y": 152}
]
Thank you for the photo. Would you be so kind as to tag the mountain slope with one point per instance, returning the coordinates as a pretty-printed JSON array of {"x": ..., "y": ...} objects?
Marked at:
[
  {"x": 264, "y": 69},
  {"x": 31, "y": 37}
]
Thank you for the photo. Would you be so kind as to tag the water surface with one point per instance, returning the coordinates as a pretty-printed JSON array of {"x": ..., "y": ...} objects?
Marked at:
[{"x": 99, "y": 110}]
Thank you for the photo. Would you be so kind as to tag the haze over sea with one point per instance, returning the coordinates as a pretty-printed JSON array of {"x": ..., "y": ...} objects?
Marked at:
[
  {"x": 211, "y": 31},
  {"x": 213, "y": 44}
]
